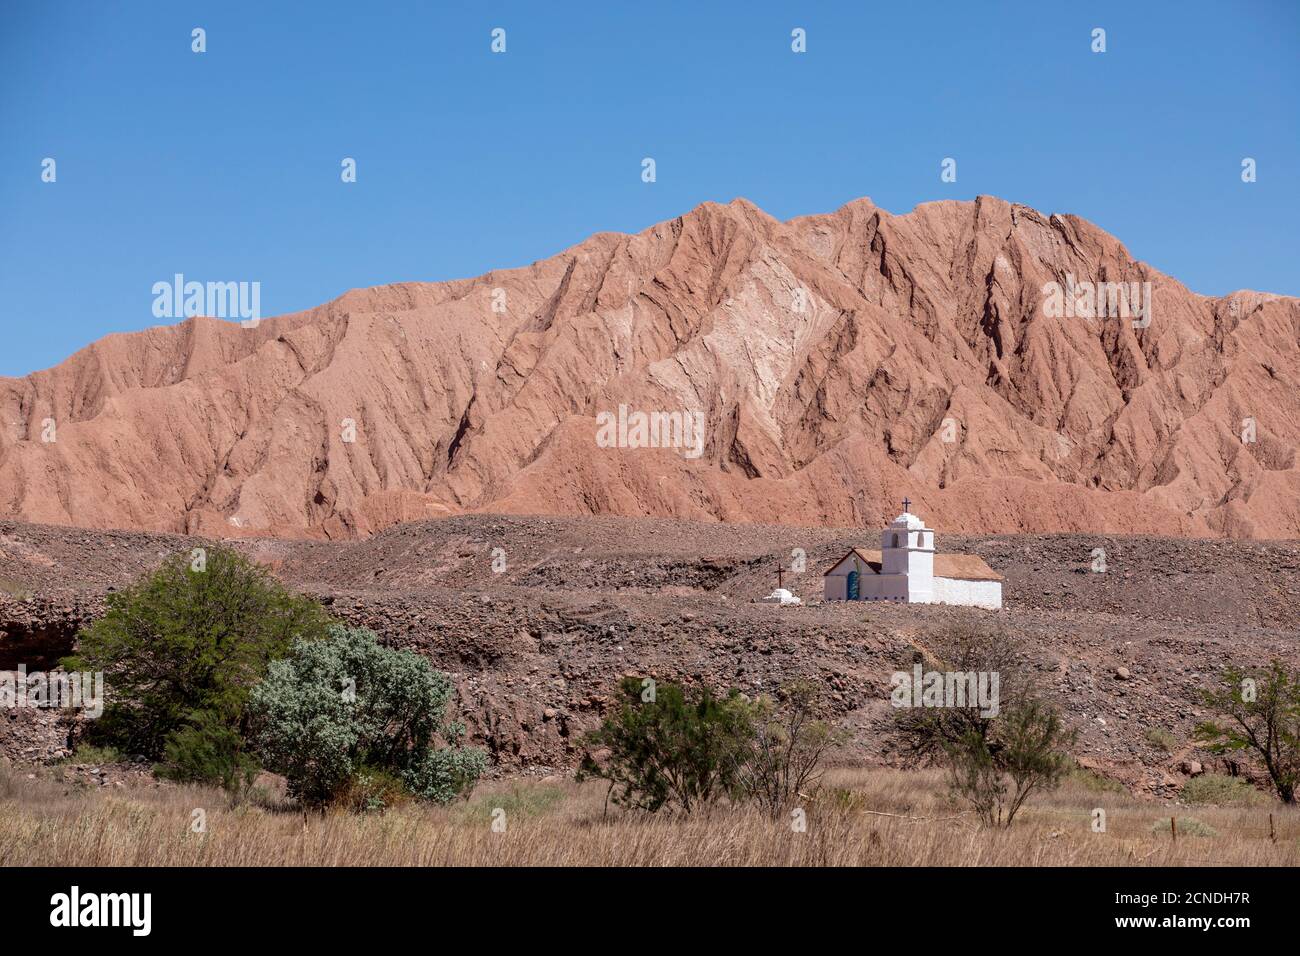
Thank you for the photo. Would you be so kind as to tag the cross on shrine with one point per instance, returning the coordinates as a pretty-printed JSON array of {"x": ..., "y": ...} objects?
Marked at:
[
  {"x": 779, "y": 569},
  {"x": 907, "y": 503}
]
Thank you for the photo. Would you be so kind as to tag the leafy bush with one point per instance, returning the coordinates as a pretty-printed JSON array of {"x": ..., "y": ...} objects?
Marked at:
[
  {"x": 1024, "y": 752},
  {"x": 1159, "y": 737},
  {"x": 995, "y": 760},
  {"x": 665, "y": 747},
  {"x": 207, "y": 751},
  {"x": 1219, "y": 790},
  {"x": 965, "y": 646},
  {"x": 89, "y": 754},
  {"x": 442, "y": 774},
  {"x": 373, "y": 789},
  {"x": 787, "y": 748},
  {"x": 182, "y": 648},
  {"x": 1261, "y": 714},
  {"x": 345, "y": 703}
]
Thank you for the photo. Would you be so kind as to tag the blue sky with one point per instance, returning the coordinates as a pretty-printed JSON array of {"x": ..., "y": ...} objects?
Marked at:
[{"x": 225, "y": 166}]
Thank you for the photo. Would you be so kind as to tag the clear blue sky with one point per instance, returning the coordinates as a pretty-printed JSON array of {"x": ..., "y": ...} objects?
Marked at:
[{"x": 225, "y": 165}]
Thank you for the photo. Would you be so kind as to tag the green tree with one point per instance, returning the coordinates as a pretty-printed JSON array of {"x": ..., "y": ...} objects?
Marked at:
[
  {"x": 1024, "y": 751},
  {"x": 181, "y": 649},
  {"x": 207, "y": 751},
  {"x": 965, "y": 647},
  {"x": 345, "y": 706},
  {"x": 1261, "y": 713},
  {"x": 996, "y": 757},
  {"x": 665, "y": 747},
  {"x": 787, "y": 748}
]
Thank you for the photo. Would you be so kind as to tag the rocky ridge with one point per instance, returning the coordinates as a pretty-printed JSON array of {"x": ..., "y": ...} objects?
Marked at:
[{"x": 833, "y": 362}]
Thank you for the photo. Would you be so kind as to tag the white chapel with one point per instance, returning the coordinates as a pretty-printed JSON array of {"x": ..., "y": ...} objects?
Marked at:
[{"x": 906, "y": 569}]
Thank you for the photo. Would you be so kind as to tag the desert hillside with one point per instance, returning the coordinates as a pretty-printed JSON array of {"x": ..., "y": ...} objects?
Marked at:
[
  {"x": 537, "y": 647},
  {"x": 832, "y": 363}
]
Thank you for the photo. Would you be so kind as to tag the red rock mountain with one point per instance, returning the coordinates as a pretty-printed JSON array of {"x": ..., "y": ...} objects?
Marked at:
[{"x": 837, "y": 362}]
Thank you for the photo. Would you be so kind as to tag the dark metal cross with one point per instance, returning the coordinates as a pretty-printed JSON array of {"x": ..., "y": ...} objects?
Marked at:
[
  {"x": 907, "y": 503},
  {"x": 779, "y": 569}
]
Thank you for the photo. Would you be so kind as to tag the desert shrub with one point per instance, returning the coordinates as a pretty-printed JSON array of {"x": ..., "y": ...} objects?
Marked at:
[
  {"x": 89, "y": 754},
  {"x": 14, "y": 590},
  {"x": 207, "y": 751},
  {"x": 341, "y": 704},
  {"x": 372, "y": 789},
  {"x": 1220, "y": 790},
  {"x": 1260, "y": 713},
  {"x": 1094, "y": 782},
  {"x": 1187, "y": 826},
  {"x": 841, "y": 801},
  {"x": 1161, "y": 738},
  {"x": 1024, "y": 752},
  {"x": 186, "y": 644},
  {"x": 967, "y": 646},
  {"x": 785, "y": 753},
  {"x": 666, "y": 747},
  {"x": 520, "y": 801},
  {"x": 444, "y": 773},
  {"x": 997, "y": 756}
]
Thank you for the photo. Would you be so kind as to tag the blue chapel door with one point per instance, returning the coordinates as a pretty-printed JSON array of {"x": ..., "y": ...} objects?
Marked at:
[{"x": 853, "y": 585}]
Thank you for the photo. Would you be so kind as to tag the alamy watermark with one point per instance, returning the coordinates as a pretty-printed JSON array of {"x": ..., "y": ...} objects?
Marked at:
[
  {"x": 75, "y": 908},
  {"x": 1098, "y": 300},
  {"x": 631, "y": 428},
  {"x": 220, "y": 300},
  {"x": 57, "y": 690},
  {"x": 922, "y": 688}
]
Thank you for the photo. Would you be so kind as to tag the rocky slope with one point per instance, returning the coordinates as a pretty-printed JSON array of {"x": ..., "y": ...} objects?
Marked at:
[
  {"x": 837, "y": 362},
  {"x": 536, "y": 647}
]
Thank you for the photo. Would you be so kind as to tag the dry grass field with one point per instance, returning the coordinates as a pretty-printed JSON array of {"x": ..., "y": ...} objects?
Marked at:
[{"x": 859, "y": 818}]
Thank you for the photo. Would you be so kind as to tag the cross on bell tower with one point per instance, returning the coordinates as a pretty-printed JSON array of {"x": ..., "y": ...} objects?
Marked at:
[{"x": 907, "y": 503}]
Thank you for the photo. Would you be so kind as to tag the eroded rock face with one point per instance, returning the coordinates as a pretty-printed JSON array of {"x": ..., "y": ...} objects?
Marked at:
[{"x": 834, "y": 364}]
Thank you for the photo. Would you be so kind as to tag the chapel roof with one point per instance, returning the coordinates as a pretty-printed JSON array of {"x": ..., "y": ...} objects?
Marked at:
[{"x": 961, "y": 567}]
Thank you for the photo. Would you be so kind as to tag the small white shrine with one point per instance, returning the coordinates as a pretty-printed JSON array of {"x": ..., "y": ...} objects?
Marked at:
[{"x": 906, "y": 569}]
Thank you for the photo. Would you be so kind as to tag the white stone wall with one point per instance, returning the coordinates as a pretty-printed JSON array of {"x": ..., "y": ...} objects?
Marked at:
[
  {"x": 883, "y": 587},
  {"x": 898, "y": 587},
  {"x": 986, "y": 594}
]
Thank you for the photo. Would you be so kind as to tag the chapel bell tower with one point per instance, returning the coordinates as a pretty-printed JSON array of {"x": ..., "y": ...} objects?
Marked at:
[{"x": 907, "y": 548}]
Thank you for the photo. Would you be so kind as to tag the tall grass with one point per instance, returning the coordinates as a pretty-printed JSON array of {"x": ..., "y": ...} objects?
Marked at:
[{"x": 871, "y": 818}]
